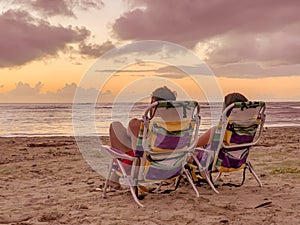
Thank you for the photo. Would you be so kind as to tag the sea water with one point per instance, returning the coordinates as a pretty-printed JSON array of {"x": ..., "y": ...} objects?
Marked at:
[{"x": 49, "y": 119}]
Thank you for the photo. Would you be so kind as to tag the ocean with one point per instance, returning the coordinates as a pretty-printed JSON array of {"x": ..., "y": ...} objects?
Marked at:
[{"x": 48, "y": 119}]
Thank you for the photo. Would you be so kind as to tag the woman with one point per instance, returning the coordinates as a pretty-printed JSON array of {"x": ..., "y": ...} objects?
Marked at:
[
  {"x": 124, "y": 139},
  {"x": 206, "y": 138}
]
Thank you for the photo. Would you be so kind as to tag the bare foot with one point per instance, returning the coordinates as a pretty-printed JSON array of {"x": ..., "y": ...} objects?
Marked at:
[{"x": 114, "y": 185}]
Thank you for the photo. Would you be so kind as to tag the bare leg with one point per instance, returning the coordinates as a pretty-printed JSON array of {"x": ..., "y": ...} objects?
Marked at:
[
  {"x": 119, "y": 138},
  {"x": 121, "y": 141},
  {"x": 206, "y": 138},
  {"x": 133, "y": 131}
]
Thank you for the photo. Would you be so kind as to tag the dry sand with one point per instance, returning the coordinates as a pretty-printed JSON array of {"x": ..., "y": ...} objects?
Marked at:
[{"x": 45, "y": 180}]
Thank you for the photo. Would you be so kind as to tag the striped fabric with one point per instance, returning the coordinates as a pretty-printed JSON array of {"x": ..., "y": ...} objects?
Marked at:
[
  {"x": 170, "y": 136},
  {"x": 167, "y": 138},
  {"x": 239, "y": 127},
  {"x": 165, "y": 144},
  {"x": 237, "y": 133}
]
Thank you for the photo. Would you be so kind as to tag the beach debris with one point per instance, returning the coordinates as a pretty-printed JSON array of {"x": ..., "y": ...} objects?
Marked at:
[
  {"x": 82, "y": 206},
  {"x": 90, "y": 181},
  {"x": 35, "y": 171},
  {"x": 48, "y": 144},
  {"x": 263, "y": 204},
  {"x": 285, "y": 170},
  {"x": 98, "y": 189},
  {"x": 18, "y": 219},
  {"x": 50, "y": 216}
]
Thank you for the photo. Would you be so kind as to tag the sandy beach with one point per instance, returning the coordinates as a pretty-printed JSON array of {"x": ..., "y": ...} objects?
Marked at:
[{"x": 45, "y": 180}]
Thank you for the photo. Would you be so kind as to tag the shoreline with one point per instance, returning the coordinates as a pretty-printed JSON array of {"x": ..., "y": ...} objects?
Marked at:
[
  {"x": 106, "y": 135},
  {"x": 46, "y": 180}
]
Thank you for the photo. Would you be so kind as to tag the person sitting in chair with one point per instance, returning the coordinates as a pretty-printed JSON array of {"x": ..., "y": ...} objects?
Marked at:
[
  {"x": 124, "y": 139},
  {"x": 206, "y": 138}
]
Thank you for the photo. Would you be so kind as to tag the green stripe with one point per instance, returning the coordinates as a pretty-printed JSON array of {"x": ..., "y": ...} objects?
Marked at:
[
  {"x": 249, "y": 104},
  {"x": 161, "y": 130},
  {"x": 175, "y": 104},
  {"x": 158, "y": 165}
]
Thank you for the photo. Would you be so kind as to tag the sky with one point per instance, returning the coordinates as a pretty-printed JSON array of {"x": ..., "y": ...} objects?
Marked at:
[{"x": 48, "y": 49}]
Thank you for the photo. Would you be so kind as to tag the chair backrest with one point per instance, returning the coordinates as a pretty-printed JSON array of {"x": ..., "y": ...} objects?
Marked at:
[
  {"x": 168, "y": 134},
  {"x": 239, "y": 129}
]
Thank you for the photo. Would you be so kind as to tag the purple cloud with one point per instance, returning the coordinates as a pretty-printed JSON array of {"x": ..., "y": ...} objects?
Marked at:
[
  {"x": 61, "y": 7},
  {"x": 248, "y": 30},
  {"x": 25, "y": 38},
  {"x": 95, "y": 50},
  {"x": 271, "y": 49}
]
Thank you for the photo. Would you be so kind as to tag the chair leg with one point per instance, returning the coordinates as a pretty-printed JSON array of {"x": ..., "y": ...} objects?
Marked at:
[
  {"x": 205, "y": 174},
  {"x": 191, "y": 181},
  {"x": 107, "y": 178},
  {"x": 129, "y": 181},
  {"x": 133, "y": 193},
  {"x": 217, "y": 177},
  {"x": 251, "y": 169},
  {"x": 207, "y": 177}
]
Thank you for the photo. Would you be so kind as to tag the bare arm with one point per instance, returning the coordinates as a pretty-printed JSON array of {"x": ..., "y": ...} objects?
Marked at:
[
  {"x": 206, "y": 138},
  {"x": 133, "y": 130}
]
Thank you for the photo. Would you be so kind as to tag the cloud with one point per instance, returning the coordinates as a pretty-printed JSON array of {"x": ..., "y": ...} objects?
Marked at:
[
  {"x": 67, "y": 91},
  {"x": 164, "y": 49},
  {"x": 24, "y": 89},
  {"x": 23, "y": 92},
  {"x": 174, "y": 72},
  {"x": 95, "y": 50},
  {"x": 235, "y": 31},
  {"x": 60, "y": 7},
  {"x": 271, "y": 49},
  {"x": 88, "y": 4},
  {"x": 254, "y": 70},
  {"x": 107, "y": 92},
  {"x": 25, "y": 38},
  {"x": 171, "y": 72}
]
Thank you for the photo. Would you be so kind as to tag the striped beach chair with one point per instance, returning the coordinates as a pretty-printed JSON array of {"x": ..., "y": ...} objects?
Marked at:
[
  {"x": 239, "y": 129},
  {"x": 166, "y": 142}
]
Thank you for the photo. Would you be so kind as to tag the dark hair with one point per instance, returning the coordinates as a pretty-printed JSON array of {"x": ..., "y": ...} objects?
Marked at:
[
  {"x": 163, "y": 93},
  {"x": 234, "y": 97}
]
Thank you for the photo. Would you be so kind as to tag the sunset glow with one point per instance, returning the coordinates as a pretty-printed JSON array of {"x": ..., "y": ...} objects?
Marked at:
[{"x": 46, "y": 50}]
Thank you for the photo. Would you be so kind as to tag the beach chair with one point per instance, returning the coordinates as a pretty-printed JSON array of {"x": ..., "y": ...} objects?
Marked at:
[
  {"x": 166, "y": 141},
  {"x": 239, "y": 129}
]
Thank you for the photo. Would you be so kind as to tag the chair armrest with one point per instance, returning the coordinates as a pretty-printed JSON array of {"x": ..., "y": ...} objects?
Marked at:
[
  {"x": 115, "y": 153},
  {"x": 200, "y": 149}
]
